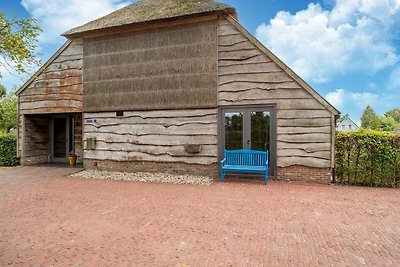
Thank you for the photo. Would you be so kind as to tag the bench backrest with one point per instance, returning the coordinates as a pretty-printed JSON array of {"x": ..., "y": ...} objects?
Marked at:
[{"x": 246, "y": 157}]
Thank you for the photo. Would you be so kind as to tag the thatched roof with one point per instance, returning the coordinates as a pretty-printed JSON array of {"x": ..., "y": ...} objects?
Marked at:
[{"x": 151, "y": 10}]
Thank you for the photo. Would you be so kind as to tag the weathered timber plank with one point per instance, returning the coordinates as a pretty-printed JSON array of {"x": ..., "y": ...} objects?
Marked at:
[
  {"x": 239, "y": 46},
  {"x": 305, "y": 161},
  {"x": 313, "y": 122},
  {"x": 244, "y": 86},
  {"x": 259, "y": 93},
  {"x": 229, "y": 40},
  {"x": 153, "y": 140},
  {"x": 66, "y": 58},
  {"x": 251, "y": 59},
  {"x": 239, "y": 55},
  {"x": 74, "y": 90},
  {"x": 265, "y": 77},
  {"x": 51, "y": 104},
  {"x": 305, "y": 138},
  {"x": 176, "y": 151},
  {"x": 67, "y": 81},
  {"x": 226, "y": 30},
  {"x": 249, "y": 68},
  {"x": 303, "y": 114},
  {"x": 140, "y": 130},
  {"x": 301, "y": 130},
  {"x": 139, "y": 156},
  {"x": 50, "y": 110},
  {"x": 65, "y": 65},
  {"x": 171, "y": 114},
  {"x": 301, "y": 153},
  {"x": 164, "y": 122},
  {"x": 308, "y": 147},
  {"x": 50, "y": 97},
  {"x": 298, "y": 104}
]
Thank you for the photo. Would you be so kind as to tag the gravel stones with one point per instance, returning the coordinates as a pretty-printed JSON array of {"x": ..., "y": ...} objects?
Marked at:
[{"x": 145, "y": 177}]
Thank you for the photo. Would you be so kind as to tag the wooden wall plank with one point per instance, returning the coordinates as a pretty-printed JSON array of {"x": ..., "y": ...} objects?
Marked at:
[
  {"x": 247, "y": 76},
  {"x": 58, "y": 87},
  {"x": 153, "y": 135}
]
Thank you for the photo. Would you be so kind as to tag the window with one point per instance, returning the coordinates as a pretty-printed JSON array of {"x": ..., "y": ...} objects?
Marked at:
[
  {"x": 343, "y": 127},
  {"x": 349, "y": 126}
]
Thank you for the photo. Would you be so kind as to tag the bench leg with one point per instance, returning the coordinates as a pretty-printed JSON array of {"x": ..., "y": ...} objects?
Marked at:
[
  {"x": 266, "y": 177},
  {"x": 222, "y": 175}
]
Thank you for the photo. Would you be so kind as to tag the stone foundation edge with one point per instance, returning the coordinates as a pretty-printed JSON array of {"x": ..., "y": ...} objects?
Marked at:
[
  {"x": 291, "y": 173},
  {"x": 155, "y": 167}
]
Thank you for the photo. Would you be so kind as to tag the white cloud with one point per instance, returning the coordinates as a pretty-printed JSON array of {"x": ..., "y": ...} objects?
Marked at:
[
  {"x": 58, "y": 16},
  {"x": 10, "y": 78},
  {"x": 394, "y": 79},
  {"x": 352, "y": 102},
  {"x": 336, "y": 98},
  {"x": 321, "y": 44}
]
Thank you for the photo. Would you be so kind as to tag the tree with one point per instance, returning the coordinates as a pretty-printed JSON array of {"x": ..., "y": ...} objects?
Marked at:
[
  {"x": 8, "y": 112},
  {"x": 3, "y": 91},
  {"x": 394, "y": 113},
  {"x": 369, "y": 119},
  {"x": 387, "y": 123},
  {"x": 18, "y": 38}
]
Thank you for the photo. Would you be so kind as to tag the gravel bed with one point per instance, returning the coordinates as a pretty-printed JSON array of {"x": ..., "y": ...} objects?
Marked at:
[{"x": 145, "y": 177}]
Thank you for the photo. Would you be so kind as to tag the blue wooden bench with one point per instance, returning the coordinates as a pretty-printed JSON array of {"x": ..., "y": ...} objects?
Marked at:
[{"x": 244, "y": 161}]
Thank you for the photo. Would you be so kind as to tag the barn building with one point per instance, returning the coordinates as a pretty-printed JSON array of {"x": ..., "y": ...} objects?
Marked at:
[{"x": 168, "y": 85}]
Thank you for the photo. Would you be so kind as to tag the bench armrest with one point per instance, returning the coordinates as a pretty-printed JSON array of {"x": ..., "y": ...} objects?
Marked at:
[{"x": 223, "y": 162}]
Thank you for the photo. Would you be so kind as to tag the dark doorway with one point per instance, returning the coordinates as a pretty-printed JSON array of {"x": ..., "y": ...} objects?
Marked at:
[{"x": 61, "y": 138}]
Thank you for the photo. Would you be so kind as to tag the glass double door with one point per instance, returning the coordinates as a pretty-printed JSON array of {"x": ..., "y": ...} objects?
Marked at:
[{"x": 250, "y": 128}]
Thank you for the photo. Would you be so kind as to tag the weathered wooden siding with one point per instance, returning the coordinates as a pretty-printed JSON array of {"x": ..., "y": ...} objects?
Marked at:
[
  {"x": 58, "y": 89},
  {"x": 246, "y": 76},
  {"x": 165, "y": 68},
  {"x": 157, "y": 136},
  {"x": 35, "y": 141},
  {"x": 78, "y": 137}
]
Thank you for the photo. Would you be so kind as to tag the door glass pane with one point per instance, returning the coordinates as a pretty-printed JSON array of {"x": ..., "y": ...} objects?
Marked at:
[
  {"x": 60, "y": 138},
  {"x": 260, "y": 121},
  {"x": 233, "y": 130}
]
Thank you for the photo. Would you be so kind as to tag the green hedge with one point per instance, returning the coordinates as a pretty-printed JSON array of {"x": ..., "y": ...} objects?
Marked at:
[
  {"x": 368, "y": 158},
  {"x": 8, "y": 151}
]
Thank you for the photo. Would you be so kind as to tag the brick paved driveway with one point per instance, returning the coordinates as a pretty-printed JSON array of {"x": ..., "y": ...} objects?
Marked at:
[{"x": 47, "y": 219}]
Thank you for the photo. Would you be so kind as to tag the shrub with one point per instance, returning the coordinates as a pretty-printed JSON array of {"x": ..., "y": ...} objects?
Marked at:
[
  {"x": 8, "y": 150},
  {"x": 368, "y": 158}
]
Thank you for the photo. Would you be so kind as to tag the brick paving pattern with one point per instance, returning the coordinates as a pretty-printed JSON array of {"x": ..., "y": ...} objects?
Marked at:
[{"x": 49, "y": 219}]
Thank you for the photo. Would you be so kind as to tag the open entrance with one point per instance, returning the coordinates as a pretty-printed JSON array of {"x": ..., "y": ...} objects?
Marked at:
[
  {"x": 61, "y": 138},
  {"x": 249, "y": 127},
  {"x": 49, "y": 138}
]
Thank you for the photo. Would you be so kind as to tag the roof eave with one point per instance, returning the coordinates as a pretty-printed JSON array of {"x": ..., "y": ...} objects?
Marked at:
[{"x": 71, "y": 34}]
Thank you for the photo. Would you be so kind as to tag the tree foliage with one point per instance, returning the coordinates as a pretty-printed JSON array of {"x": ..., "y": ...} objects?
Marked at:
[
  {"x": 3, "y": 91},
  {"x": 369, "y": 119},
  {"x": 394, "y": 113},
  {"x": 8, "y": 112},
  {"x": 18, "y": 38},
  {"x": 387, "y": 123}
]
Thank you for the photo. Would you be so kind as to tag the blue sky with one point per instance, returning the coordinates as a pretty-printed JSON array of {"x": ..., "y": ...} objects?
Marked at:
[{"x": 348, "y": 50}]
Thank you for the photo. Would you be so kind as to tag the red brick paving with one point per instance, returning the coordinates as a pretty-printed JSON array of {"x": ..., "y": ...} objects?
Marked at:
[{"x": 47, "y": 219}]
